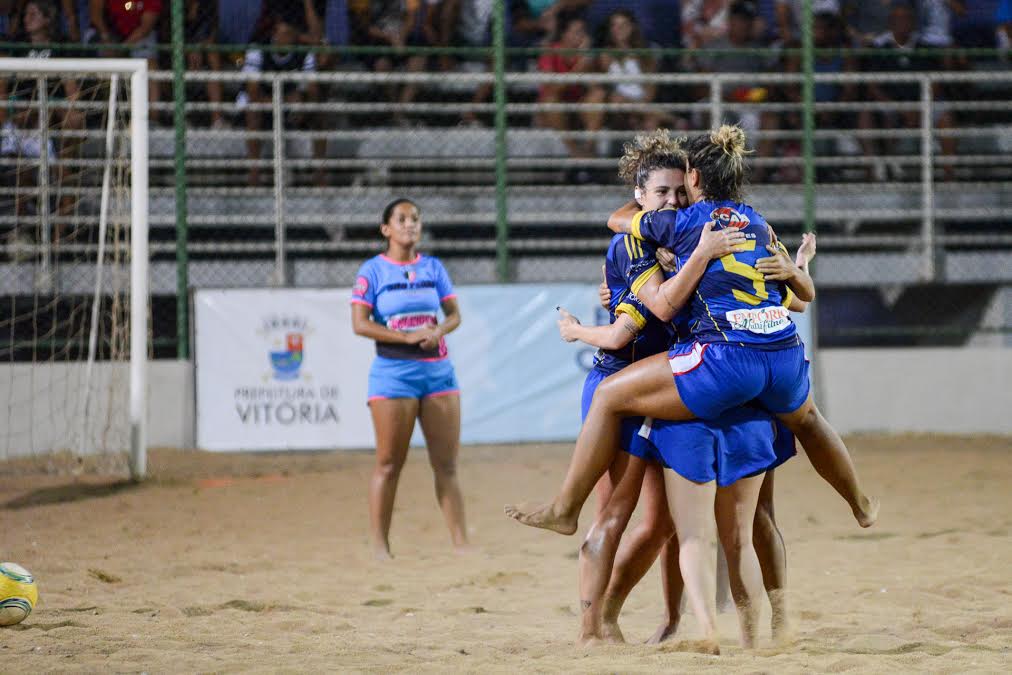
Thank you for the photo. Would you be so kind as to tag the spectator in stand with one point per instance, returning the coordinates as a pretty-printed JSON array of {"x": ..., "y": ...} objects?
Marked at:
[
  {"x": 937, "y": 17},
  {"x": 201, "y": 27},
  {"x": 704, "y": 22},
  {"x": 788, "y": 14},
  {"x": 829, "y": 32},
  {"x": 895, "y": 46},
  {"x": 237, "y": 20},
  {"x": 742, "y": 18},
  {"x": 131, "y": 22},
  {"x": 302, "y": 15},
  {"x": 622, "y": 32},
  {"x": 40, "y": 24},
  {"x": 465, "y": 23},
  {"x": 396, "y": 24},
  {"x": 12, "y": 13},
  {"x": 866, "y": 20},
  {"x": 1003, "y": 18},
  {"x": 572, "y": 35},
  {"x": 282, "y": 34},
  {"x": 659, "y": 20},
  {"x": 533, "y": 22}
]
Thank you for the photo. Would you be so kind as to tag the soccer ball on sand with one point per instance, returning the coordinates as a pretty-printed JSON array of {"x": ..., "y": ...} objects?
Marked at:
[{"x": 18, "y": 593}]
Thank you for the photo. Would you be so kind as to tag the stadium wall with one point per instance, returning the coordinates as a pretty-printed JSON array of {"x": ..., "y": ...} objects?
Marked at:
[{"x": 957, "y": 390}]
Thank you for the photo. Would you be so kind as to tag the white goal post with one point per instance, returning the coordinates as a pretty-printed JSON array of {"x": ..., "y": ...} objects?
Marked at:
[{"x": 40, "y": 76}]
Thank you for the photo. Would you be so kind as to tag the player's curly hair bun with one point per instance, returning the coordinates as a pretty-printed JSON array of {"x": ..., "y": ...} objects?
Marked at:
[
  {"x": 647, "y": 153},
  {"x": 719, "y": 156}
]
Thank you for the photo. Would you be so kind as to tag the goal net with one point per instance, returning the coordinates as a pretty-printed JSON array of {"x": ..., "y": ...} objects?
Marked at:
[{"x": 73, "y": 268}]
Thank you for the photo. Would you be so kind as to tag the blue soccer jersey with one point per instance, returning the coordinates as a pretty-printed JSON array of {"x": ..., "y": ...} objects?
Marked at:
[
  {"x": 629, "y": 263},
  {"x": 404, "y": 297},
  {"x": 733, "y": 303}
]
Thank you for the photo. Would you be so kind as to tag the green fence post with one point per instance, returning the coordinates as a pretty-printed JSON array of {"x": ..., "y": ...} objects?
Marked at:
[
  {"x": 501, "y": 221},
  {"x": 179, "y": 120},
  {"x": 808, "y": 113}
]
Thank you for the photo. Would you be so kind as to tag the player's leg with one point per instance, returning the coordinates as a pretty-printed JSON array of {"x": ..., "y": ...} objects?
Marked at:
[
  {"x": 787, "y": 393},
  {"x": 769, "y": 547},
  {"x": 829, "y": 456},
  {"x": 597, "y": 554},
  {"x": 637, "y": 553},
  {"x": 692, "y": 507},
  {"x": 393, "y": 420},
  {"x": 440, "y": 419},
  {"x": 644, "y": 388},
  {"x": 607, "y": 483},
  {"x": 735, "y": 508}
]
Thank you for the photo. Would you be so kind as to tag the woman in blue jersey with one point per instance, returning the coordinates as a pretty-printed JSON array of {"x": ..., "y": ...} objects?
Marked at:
[
  {"x": 396, "y": 302},
  {"x": 654, "y": 164},
  {"x": 745, "y": 348}
]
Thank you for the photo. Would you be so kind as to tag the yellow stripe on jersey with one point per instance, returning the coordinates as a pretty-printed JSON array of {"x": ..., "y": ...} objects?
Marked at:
[
  {"x": 632, "y": 313},
  {"x": 710, "y": 314},
  {"x": 747, "y": 298},
  {"x": 628, "y": 248},
  {"x": 643, "y": 278},
  {"x": 639, "y": 247},
  {"x": 635, "y": 228},
  {"x": 788, "y": 297}
]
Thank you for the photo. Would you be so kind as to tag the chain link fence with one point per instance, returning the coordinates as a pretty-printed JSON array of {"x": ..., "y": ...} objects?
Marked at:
[{"x": 287, "y": 125}]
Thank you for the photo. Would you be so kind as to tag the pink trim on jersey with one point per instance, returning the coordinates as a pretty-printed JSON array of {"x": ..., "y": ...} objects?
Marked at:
[
  {"x": 356, "y": 301},
  {"x": 438, "y": 358},
  {"x": 377, "y": 398},
  {"x": 398, "y": 262},
  {"x": 448, "y": 392},
  {"x": 686, "y": 363},
  {"x": 448, "y": 297}
]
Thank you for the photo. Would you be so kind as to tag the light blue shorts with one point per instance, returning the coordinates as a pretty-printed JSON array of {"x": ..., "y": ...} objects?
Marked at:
[{"x": 405, "y": 378}]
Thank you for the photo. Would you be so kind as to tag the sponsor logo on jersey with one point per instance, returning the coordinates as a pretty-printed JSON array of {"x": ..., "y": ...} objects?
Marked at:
[
  {"x": 412, "y": 321},
  {"x": 763, "y": 320},
  {"x": 725, "y": 216},
  {"x": 410, "y": 275}
]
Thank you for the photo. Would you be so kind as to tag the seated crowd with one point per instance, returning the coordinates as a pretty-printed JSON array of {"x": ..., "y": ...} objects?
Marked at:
[{"x": 889, "y": 26}]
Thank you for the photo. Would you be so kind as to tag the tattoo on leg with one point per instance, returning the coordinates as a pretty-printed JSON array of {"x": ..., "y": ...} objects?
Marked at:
[{"x": 586, "y": 604}]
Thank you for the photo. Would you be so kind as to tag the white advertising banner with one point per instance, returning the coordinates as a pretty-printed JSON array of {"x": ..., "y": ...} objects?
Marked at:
[{"x": 281, "y": 368}]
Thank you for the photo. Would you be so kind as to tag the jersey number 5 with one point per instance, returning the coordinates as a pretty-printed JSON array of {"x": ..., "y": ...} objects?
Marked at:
[{"x": 735, "y": 266}]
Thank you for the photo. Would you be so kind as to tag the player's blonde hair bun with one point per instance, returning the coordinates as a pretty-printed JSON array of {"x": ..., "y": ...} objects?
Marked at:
[{"x": 731, "y": 139}]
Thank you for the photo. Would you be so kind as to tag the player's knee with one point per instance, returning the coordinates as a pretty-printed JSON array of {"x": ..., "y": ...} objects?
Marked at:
[
  {"x": 608, "y": 396},
  {"x": 594, "y": 541},
  {"x": 444, "y": 469},
  {"x": 388, "y": 469}
]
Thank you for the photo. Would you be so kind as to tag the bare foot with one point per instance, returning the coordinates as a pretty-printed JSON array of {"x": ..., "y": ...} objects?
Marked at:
[
  {"x": 464, "y": 549},
  {"x": 611, "y": 633},
  {"x": 867, "y": 512},
  {"x": 664, "y": 632},
  {"x": 543, "y": 516}
]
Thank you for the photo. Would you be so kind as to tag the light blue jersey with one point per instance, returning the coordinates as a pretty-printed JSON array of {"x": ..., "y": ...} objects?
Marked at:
[{"x": 404, "y": 297}]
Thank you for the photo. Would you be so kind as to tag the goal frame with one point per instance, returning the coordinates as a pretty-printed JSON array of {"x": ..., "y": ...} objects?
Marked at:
[{"x": 137, "y": 71}]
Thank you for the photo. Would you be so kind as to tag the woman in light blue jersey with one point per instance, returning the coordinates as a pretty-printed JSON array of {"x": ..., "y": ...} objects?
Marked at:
[{"x": 396, "y": 301}]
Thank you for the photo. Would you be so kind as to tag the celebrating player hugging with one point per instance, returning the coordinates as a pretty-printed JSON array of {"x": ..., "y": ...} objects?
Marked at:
[{"x": 741, "y": 393}]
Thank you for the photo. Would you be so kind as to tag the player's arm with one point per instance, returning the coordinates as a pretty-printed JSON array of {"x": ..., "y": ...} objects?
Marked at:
[
  {"x": 780, "y": 267},
  {"x": 804, "y": 256},
  {"x": 657, "y": 227},
  {"x": 664, "y": 299},
  {"x": 613, "y": 336},
  {"x": 433, "y": 334},
  {"x": 362, "y": 324}
]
